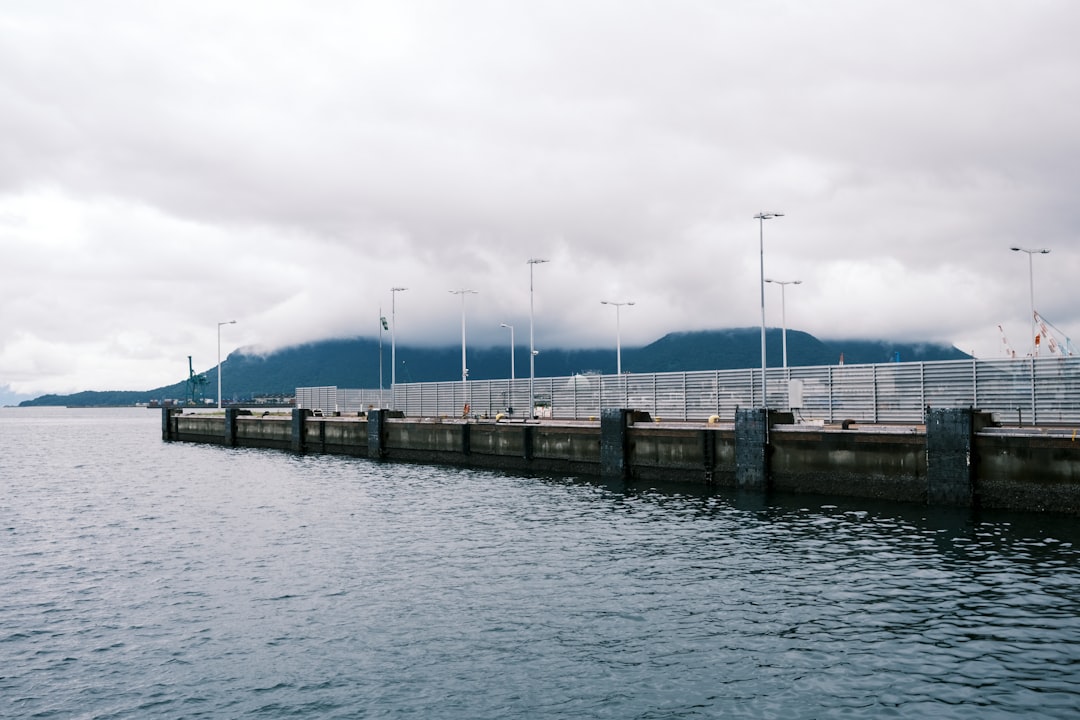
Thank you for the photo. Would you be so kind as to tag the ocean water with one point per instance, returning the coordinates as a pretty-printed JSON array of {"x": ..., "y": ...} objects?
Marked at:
[{"x": 144, "y": 579}]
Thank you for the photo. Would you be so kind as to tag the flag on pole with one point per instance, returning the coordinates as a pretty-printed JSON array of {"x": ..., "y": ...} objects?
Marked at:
[{"x": 384, "y": 325}]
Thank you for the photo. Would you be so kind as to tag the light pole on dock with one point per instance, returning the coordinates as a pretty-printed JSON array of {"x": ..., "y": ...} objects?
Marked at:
[
  {"x": 783, "y": 309},
  {"x": 464, "y": 366},
  {"x": 226, "y": 322},
  {"x": 618, "y": 333},
  {"x": 533, "y": 262},
  {"x": 393, "y": 345},
  {"x": 1031, "y": 288},
  {"x": 511, "y": 349},
  {"x": 761, "y": 217}
]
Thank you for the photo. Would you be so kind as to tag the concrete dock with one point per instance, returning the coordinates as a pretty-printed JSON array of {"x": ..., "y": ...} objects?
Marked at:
[{"x": 958, "y": 457}]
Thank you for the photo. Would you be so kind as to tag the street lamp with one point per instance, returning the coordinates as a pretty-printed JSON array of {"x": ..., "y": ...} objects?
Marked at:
[
  {"x": 533, "y": 262},
  {"x": 783, "y": 310},
  {"x": 1031, "y": 288},
  {"x": 464, "y": 367},
  {"x": 226, "y": 322},
  {"x": 761, "y": 217},
  {"x": 618, "y": 333},
  {"x": 393, "y": 345},
  {"x": 511, "y": 349}
]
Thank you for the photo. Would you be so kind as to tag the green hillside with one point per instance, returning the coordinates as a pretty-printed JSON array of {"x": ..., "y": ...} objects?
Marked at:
[{"x": 355, "y": 363}]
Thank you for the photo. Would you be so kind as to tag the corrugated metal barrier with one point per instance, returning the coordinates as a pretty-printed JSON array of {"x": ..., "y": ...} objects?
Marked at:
[{"x": 1020, "y": 391}]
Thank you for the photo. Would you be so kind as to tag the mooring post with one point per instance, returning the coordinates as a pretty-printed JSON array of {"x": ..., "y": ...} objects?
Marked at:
[
  {"x": 299, "y": 416},
  {"x": 376, "y": 433},
  {"x": 751, "y": 446},
  {"x": 230, "y": 427},
  {"x": 950, "y": 466},
  {"x": 613, "y": 443},
  {"x": 166, "y": 424}
]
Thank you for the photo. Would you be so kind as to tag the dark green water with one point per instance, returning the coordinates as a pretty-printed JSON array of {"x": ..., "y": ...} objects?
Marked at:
[{"x": 145, "y": 579}]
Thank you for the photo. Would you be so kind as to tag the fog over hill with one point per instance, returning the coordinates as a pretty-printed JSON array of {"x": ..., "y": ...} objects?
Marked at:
[{"x": 356, "y": 363}]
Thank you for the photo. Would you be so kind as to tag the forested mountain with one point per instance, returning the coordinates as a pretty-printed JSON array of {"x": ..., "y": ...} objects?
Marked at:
[{"x": 356, "y": 363}]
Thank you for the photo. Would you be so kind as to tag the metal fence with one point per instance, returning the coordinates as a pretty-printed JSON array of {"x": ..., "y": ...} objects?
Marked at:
[
  {"x": 1021, "y": 391},
  {"x": 332, "y": 399}
]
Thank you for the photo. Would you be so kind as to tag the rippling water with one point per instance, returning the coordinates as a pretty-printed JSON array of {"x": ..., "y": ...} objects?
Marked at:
[{"x": 148, "y": 579}]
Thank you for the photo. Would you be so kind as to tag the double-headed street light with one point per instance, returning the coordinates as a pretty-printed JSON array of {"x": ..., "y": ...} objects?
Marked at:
[
  {"x": 783, "y": 310},
  {"x": 618, "y": 333},
  {"x": 533, "y": 262},
  {"x": 761, "y": 217},
  {"x": 1031, "y": 288},
  {"x": 511, "y": 327},
  {"x": 226, "y": 322}
]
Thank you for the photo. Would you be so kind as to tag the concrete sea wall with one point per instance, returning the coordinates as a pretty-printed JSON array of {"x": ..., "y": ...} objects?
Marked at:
[{"x": 957, "y": 458}]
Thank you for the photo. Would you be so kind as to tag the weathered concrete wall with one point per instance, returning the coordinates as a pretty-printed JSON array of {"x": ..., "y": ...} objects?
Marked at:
[
  {"x": 199, "y": 428},
  {"x": 1017, "y": 470},
  {"x": 1028, "y": 472},
  {"x": 270, "y": 432},
  {"x": 337, "y": 437},
  {"x": 705, "y": 455},
  {"x": 849, "y": 463}
]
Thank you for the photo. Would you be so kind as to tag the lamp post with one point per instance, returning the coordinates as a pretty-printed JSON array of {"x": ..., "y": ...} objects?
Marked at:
[
  {"x": 511, "y": 349},
  {"x": 783, "y": 309},
  {"x": 761, "y": 217},
  {"x": 533, "y": 262},
  {"x": 226, "y": 322},
  {"x": 1031, "y": 288},
  {"x": 464, "y": 367},
  {"x": 618, "y": 333},
  {"x": 393, "y": 345}
]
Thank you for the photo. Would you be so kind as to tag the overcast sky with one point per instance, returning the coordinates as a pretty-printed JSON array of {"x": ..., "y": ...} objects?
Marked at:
[{"x": 168, "y": 166}]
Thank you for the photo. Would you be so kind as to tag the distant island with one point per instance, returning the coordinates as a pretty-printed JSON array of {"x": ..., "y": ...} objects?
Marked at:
[{"x": 354, "y": 362}]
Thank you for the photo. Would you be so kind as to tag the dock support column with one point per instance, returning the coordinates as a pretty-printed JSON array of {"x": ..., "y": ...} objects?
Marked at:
[
  {"x": 708, "y": 454},
  {"x": 466, "y": 439},
  {"x": 167, "y": 424},
  {"x": 299, "y": 416},
  {"x": 613, "y": 444},
  {"x": 751, "y": 446},
  {"x": 376, "y": 433},
  {"x": 230, "y": 428},
  {"x": 950, "y": 461},
  {"x": 527, "y": 436}
]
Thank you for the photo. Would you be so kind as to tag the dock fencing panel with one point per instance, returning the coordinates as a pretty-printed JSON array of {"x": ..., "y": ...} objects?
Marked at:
[
  {"x": 640, "y": 393},
  {"x": 571, "y": 398},
  {"x": 899, "y": 393},
  {"x": 670, "y": 396},
  {"x": 887, "y": 392},
  {"x": 323, "y": 398},
  {"x": 1005, "y": 387},
  {"x": 701, "y": 395},
  {"x": 816, "y": 393},
  {"x": 949, "y": 384},
  {"x": 852, "y": 393},
  {"x": 352, "y": 400},
  {"x": 1057, "y": 391},
  {"x": 614, "y": 392}
]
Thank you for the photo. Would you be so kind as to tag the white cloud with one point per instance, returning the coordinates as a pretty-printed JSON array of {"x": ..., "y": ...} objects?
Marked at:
[{"x": 164, "y": 167}]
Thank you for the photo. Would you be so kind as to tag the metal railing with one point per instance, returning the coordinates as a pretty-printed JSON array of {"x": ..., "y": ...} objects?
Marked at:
[
  {"x": 332, "y": 399},
  {"x": 1020, "y": 391}
]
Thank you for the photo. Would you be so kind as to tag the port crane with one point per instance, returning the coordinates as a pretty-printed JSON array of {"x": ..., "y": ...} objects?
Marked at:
[
  {"x": 1053, "y": 345},
  {"x": 196, "y": 384},
  {"x": 1046, "y": 335},
  {"x": 1009, "y": 352}
]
